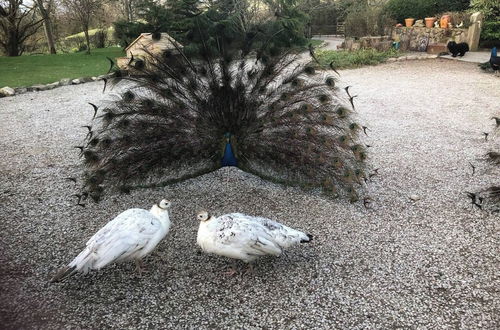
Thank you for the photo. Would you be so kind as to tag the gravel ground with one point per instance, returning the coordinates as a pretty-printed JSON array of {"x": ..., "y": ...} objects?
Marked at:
[{"x": 426, "y": 264}]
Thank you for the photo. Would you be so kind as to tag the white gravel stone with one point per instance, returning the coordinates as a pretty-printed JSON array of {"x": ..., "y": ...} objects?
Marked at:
[{"x": 426, "y": 265}]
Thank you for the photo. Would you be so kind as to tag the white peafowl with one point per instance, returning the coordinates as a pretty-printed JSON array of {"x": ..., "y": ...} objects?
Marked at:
[
  {"x": 132, "y": 235},
  {"x": 243, "y": 237}
]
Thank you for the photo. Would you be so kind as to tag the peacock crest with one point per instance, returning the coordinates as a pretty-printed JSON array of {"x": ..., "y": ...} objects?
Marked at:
[{"x": 181, "y": 115}]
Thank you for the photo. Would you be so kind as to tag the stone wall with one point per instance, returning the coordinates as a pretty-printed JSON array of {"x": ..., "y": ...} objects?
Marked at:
[
  {"x": 381, "y": 43},
  {"x": 418, "y": 38}
]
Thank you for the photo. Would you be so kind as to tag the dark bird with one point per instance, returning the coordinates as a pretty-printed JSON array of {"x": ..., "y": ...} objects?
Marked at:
[
  {"x": 486, "y": 136},
  {"x": 457, "y": 49},
  {"x": 95, "y": 109},
  {"x": 365, "y": 129},
  {"x": 178, "y": 118}
]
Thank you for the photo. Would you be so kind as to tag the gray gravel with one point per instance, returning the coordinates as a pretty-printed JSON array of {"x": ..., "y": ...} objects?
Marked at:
[{"x": 429, "y": 262}]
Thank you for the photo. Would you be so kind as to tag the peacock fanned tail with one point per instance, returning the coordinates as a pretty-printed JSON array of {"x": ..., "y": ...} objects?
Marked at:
[{"x": 177, "y": 113}]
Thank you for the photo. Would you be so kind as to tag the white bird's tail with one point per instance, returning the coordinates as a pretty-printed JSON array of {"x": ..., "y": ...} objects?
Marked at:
[{"x": 82, "y": 263}]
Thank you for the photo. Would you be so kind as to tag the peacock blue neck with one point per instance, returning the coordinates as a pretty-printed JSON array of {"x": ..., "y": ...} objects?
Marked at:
[{"x": 228, "y": 159}]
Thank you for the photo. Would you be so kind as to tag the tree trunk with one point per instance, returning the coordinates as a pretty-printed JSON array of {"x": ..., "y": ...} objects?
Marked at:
[
  {"x": 87, "y": 38},
  {"x": 47, "y": 24}
]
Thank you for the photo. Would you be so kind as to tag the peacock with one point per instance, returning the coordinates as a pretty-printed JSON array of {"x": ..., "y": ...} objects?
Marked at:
[{"x": 182, "y": 114}]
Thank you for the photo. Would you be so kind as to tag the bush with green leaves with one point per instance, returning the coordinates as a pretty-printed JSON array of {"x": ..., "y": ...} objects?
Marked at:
[
  {"x": 490, "y": 8},
  {"x": 419, "y": 9},
  {"x": 364, "y": 20},
  {"x": 153, "y": 16},
  {"x": 490, "y": 34}
]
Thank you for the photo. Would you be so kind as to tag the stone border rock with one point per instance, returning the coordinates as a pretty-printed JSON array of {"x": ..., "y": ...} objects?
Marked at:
[
  {"x": 411, "y": 58},
  {"x": 9, "y": 91}
]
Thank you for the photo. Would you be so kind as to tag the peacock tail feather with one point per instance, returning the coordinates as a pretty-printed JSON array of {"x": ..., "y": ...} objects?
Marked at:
[{"x": 180, "y": 115}]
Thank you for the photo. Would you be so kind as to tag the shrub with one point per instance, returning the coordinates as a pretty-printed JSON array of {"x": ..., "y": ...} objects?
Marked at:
[
  {"x": 419, "y": 9},
  {"x": 99, "y": 39},
  {"x": 490, "y": 34},
  {"x": 490, "y": 8},
  {"x": 363, "y": 20},
  {"x": 351, "y": 59},
  {"x": 126, "y": 32}
]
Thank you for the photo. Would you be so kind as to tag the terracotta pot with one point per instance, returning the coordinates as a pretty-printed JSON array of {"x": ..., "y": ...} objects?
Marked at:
[
  {"x": 429, "y": 21},
  {"x": 445, "y": 20},
  {"x": 409, "y": 22}
]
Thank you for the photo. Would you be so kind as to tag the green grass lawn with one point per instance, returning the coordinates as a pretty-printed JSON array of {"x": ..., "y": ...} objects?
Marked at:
[
  {"x": 351, "y": 59},
  {"x": 109, "y": 30},
  {"x": 43, "y": 69},
  {"x": 315, "y": 42}
]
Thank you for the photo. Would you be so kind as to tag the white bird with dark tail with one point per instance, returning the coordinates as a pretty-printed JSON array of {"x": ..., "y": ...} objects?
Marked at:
[
  {"x": 244, "y": 237},
  {"x": 132, "y": 235}
]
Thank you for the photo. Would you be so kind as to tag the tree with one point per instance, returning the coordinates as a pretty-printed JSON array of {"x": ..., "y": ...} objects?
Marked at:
[
  {"x": 154, "y": 17},
  {"x": 490, "y": 8},
  {"x": 17, "y": 23},
  {"x": 83, "y": 11},
  {"x": 47, "y": 22}
]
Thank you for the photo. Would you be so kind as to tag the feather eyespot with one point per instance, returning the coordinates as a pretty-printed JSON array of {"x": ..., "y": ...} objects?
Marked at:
[
  {"x": 139, "y": 64},
  {"x": 342, "y": 112},
  {"x": 309, "y": 70},
  {"x": 323, "y": 98},
  {"x": 128, "y": 96}
]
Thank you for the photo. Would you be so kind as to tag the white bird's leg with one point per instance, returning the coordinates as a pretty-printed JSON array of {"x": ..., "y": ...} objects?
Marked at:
[
  {"x": 139, "y": 266},
  {"x": 231, "y": 270},
  {"x": 249, "y": 269}
]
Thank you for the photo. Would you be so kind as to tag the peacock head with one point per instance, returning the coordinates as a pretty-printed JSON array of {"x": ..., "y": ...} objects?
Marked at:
[
  {"x": 203, "y": 216},
  {"x": 164, "y": 204}
]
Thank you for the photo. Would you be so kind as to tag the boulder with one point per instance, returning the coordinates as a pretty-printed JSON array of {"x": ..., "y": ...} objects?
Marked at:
[
  {"x": 65, "y": 82},
  {"x": 21, "y": 90},
  {"x": 76, "y": 81},
  {"x": 52, "y": 85},
  {"x": 39, "y": 87},
  {"x": 7, "y": 91}
]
